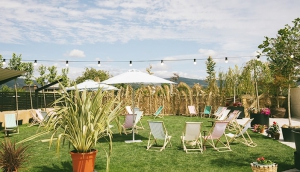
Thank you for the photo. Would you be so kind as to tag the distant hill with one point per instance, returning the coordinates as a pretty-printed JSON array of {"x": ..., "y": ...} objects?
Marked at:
[
  {"x": 190, "y": 82},
  {"x": 20, "y": 83}
]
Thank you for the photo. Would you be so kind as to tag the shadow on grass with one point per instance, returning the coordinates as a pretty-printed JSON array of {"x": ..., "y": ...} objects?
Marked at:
[
  {"x": 63, "y": 166},
  {"x": 122, "y": 137}
]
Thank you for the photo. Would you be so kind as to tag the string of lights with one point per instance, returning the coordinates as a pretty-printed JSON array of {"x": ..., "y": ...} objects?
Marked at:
[{"x": 67, "y": 62}]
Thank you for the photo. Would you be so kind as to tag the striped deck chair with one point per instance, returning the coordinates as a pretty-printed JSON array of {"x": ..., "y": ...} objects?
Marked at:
[
  {"x": 233, "y": 124},
  {"x": 158, "y": 132},
  {"x": 242, "y": 135},
  {"x": 129, "y": 122},
  {"x": 139, "y": 115},
  {"x": 206, "y": 111},
  {"x": 128, "y": 110},
  {"x": 39, "y": 114},
  {"x": 192, "y": 111},
  {"x": 218, "y": 112},
  {"x": 214, "y": 137},
  {"x": 224, "y": 115},
  {"x": 191, "y": 137},
  {"x": 35, "y": 119},
  {"x": 11, "y": 124},
  {"x": 158, "y": 112}
]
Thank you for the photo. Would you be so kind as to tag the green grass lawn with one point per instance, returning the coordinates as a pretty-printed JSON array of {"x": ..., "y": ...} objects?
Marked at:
[{"x": 134, "y": 156}]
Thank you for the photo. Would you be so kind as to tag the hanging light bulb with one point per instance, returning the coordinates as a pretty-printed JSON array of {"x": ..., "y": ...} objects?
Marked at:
[
  {"x": 195, "y": 61},
  {"x": 3, "y": 62},
  {"x": 130, "y": 63},
  {"x": 162, "y": 62},
  {"x": 292, "y": 56},
  {"x": 226, "y": 60},
  {"x": 35, "y": 62},
  {"x": 258, "y": 57},
  {"x": 99, "y": 64},
  {"x": 67, "y": 63}
]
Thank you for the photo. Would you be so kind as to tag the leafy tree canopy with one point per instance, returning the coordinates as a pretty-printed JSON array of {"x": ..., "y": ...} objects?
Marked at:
[{"x": 91, "y": 73}]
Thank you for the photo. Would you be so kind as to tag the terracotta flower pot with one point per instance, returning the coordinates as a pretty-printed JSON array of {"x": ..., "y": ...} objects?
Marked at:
[{"x": 83, "y": 161}]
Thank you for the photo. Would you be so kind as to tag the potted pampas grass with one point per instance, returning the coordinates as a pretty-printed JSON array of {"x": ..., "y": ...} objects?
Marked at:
[{"x": 82, "y": 118}]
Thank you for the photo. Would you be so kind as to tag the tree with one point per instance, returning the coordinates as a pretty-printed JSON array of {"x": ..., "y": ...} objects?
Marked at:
[
  {"x": 91, "y": 73},
  {"x": 149, "y": 70},
  {"x": 231, "y": 82},
  {"x": 28, "y": 67},
  {"x": 42, "y": 79},
  {"x": 175, "y": 77},
  {"x": 6, "y": 88},
  {"x": 212, "y": 87},
  {"x": 15, "y": 64},
  {"x": 210, "y": 70},
  {"x": 1, "y": 60},
  {"x": 64, "y": 76},
  {"x": 260, "y": 76},
  {"x": 52, "y": 75},
  {"x": 283, "y": 52}
]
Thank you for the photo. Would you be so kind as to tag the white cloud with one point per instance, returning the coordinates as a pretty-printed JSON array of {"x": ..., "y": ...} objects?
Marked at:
[
  {"x": 207, "y": 52},
  {"x": 111, "y": 21},
  {"x": 76, "y": 53}
]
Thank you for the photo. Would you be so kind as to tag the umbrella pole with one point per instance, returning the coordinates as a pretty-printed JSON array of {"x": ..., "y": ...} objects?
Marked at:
[{"x": 133, "y": 140}]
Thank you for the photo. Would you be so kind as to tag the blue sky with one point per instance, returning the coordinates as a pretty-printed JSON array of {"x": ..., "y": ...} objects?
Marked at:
[{"x": 140, "y": 30}]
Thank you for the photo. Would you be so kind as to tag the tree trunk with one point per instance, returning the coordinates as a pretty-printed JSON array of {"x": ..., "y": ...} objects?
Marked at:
[
  {"x": 17, "y": 103},
  {"x": 289, "y": 103},
  {"x": 30, "y": 97}
]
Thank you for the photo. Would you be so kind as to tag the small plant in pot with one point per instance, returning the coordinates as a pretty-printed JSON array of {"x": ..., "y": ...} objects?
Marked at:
[
  {"x": 12, "y": 156},
  {"x": 82, "y": 118},
  {"x": 274, "y": 131},
  {"x": 263, "y": 164}
]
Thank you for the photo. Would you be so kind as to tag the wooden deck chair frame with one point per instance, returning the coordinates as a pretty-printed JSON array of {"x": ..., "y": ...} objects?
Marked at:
[
  {"x": 216, "y": 133},
  {"x": 39, "y": 114},
  {"x": 158, "y": 132},
  {"x": 158, "y": 112},
  {"x": 191, "y": 137},
  {"x": 11, "y": 124},
  {"x": 128, "y": 110},
  {"x": 218, "y": 112},
  {"x": 35, "y": 119},
  {"x": 192, "y": 111},
  {"x": 233, "y": 124},
  {"x": 129, "y": 122},
  {"x": 224, "y": 115},
  {"x": 242, "y": 135},
  {"x": 139, "y": 115},
  {"x": 206, "y": 111}
]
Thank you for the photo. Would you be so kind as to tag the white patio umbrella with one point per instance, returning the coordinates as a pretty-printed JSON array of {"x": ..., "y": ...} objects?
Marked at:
[
  {"x": 134, "y": 77},
  {"x": 92, "y": 85}
]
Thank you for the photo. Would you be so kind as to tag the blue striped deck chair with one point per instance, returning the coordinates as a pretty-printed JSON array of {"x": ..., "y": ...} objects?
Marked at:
[
  {"x": 11, "y": 124},
  {"x": 158, "y": 112},
  {"x": 207, "y": 111}
]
